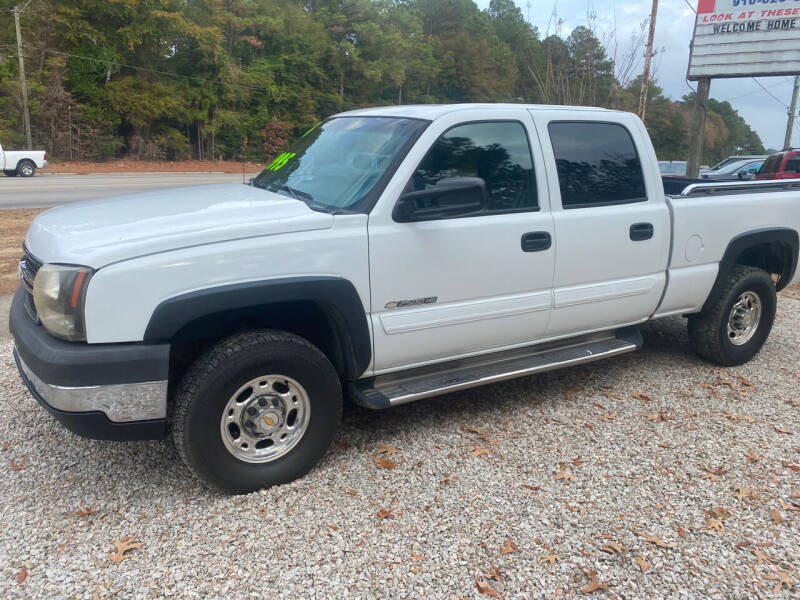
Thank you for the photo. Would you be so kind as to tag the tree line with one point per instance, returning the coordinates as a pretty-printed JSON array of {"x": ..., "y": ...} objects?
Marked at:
[{"x": 237, "y": 79}]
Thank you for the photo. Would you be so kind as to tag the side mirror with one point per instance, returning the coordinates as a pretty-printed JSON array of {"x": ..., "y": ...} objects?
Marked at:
[
  {"x": 747, "y": 176},
  {"x": 449, "y": 198}
]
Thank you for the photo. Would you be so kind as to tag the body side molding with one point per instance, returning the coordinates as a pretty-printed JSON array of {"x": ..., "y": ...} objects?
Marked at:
[{"x": 338, "y": 297}]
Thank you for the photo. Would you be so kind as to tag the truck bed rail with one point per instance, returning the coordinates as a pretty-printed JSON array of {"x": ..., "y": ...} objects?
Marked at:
[{"x": 739, "y": 187}]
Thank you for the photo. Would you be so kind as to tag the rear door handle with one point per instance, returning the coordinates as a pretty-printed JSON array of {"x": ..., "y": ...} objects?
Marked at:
[
  {"x": 536, "y": 241},
  {"x": 641, "y": 231}
]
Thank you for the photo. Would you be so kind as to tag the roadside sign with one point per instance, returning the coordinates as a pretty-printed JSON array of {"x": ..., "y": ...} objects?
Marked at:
[{"x": 745, "y": 38}]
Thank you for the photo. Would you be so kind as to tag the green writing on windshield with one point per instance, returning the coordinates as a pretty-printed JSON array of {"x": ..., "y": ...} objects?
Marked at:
[{"x": 280, "y": 161}]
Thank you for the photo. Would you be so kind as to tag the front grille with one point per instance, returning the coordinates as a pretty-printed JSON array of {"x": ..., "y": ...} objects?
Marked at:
[{"x": 28, "y": 267}]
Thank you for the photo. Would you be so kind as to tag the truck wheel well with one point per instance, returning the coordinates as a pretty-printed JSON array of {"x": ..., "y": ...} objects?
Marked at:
[
  {"x": 773, "y": 257},
  {"x": 310, "y": 320}
]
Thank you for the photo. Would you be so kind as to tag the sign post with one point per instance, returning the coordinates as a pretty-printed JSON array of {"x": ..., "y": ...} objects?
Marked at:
[{"x": 698, "y": 128}]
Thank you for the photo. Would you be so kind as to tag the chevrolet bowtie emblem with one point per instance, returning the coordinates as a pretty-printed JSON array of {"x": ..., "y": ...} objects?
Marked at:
[{"x": 269, "y": 422}]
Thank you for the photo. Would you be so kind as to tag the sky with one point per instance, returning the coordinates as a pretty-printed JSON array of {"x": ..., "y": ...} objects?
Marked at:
[{"x": 764, "y": 111}]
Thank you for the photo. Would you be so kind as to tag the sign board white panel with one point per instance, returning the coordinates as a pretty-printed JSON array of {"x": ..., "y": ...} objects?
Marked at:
[{"x": 745, "y": 38}]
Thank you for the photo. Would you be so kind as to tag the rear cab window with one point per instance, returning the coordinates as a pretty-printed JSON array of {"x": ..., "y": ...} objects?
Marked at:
[{"x": 597, "y": 164}]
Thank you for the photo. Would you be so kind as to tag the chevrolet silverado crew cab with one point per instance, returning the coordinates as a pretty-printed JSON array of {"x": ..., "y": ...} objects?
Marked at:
[
  {"x": 389, "y": 255},
  {"x": 22, "y": 162}
]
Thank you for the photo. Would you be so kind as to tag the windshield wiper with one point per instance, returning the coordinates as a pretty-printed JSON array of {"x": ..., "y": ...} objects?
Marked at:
[{"x": 294, "y": 193}]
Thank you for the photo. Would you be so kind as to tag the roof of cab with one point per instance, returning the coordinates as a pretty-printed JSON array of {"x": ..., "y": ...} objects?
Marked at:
[{"x": 434, "y": 111}]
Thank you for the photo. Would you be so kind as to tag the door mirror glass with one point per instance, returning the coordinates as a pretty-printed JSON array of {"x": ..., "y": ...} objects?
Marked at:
[
  {"x": 746, "y": 175},
  {"x": 449, "y": 198}
]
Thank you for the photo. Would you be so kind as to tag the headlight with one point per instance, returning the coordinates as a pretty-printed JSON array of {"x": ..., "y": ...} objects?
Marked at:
[{"x": 59, "y": 292}]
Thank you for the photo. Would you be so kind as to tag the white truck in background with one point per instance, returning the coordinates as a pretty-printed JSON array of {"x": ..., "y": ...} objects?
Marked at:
[
  {"x": 390, "y": 254},
  {"x": 22, "y": 162}
]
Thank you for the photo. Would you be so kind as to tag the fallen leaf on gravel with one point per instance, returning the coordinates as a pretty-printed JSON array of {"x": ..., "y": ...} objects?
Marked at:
[
  {"x": 15, "y": 466},
  {"x": 565, "y": 475},
  {"x": 776, "y": 516},
  {"x": 714, "y": 525},
  {"x": 572, "y": 391},
  {"x": 743, "y": 381},
  {"x": 643, "y": 397},
  {"x": 494, "y": 573},
  {"x": 782, "y": 430},
  {"x": 351, "y": 492},
  {"x": 762, "y": 556},
  {"x": 509, "y": 547},
  {"x": 613, "y": 396},
  {"x": 796, "y": 493},
  {"x": 744, "y": 544},
  {"x": 664, "y": 446},
  {"x": 385, "y": 514},
  {"x": 22, "y": 575},
  {"x": 85, "y": 512},
  {"x": 785, "y": 506},
  {"x": 485, "y": 588},
  {"x": 528, "y": 486},
  {"x": 751, "y": 455},
  {"x": 417, "y": 556},
  {"x": 549, "y": 559},
  {"x": 783, "y": 579},
  {"x": 643, "y": 564},
  {"x": 123, "y": 546},
  {"x": 384, "y": 463},
  {"x": 654, "y": 539},
  {"x": 578, "y": 509},
  {"x": 612, "y": 548},
  {"x": 743, "y": 493},
  {"x": 478, "y": 452},
  {"x": 387, "y": 450},
  {"x": 5, "y": 446},
  {"x": 343, "y": 443},
  {"x": 682, "y": 533},
  {"x": 594, "y": 585},
  {"x": 598, "y": 405},
  {"x": 609, "y": 417},
  {"x": 736, "y": 418},
  {"x": 791, "y": 467}
]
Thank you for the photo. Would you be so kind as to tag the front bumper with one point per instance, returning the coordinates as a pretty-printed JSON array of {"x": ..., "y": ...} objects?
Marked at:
[{"x": 99, "y": 391}]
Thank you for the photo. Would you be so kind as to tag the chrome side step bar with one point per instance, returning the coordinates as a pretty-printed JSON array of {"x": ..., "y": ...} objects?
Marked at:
[{"x": 384, "y": 391}]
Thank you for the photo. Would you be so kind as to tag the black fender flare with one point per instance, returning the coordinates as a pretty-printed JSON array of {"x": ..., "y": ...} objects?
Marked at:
[
  {"x": 337, "y": 296},
  {"x": 744, "y": 241}
]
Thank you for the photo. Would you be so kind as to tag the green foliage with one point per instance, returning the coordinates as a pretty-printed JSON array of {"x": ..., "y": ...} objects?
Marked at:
[{"x": 237, "y": 79}]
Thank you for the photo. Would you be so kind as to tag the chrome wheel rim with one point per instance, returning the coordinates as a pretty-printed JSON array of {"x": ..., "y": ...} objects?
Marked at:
[
  {"x": 265, "y": 418},
  {"x": 744, "y": 318},
  {"x": 26, "y": 170}
]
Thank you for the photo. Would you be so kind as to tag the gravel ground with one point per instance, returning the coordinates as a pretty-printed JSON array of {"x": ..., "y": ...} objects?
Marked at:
[{"x": 660, "y": 474}]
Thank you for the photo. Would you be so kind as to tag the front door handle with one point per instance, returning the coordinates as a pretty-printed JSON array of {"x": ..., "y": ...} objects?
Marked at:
[
  {"x": 641, "y": 231},
  {"x": 536, "y": 241}
]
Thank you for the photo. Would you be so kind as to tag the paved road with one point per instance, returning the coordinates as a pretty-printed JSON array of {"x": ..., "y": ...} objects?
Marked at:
[{"x": 49, "y": 190}]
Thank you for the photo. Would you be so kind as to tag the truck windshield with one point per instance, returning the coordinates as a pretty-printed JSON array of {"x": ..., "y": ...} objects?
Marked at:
[{"x": 338, "y": 163}]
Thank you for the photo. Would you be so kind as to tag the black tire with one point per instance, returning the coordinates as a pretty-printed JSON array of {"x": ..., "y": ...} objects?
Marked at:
[
  {"x": 708, "y": 330},
  {"x": 26, "y": 168},
  {"x": 210, "y": 383},
  {"x": 10, "y": 173}
]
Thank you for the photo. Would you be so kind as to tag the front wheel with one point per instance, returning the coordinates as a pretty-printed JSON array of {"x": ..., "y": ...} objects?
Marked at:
[
  {"x": 735, "y": 326},
  {"x": 258, "y": 409},
  {"x": 10, "y": 173}
]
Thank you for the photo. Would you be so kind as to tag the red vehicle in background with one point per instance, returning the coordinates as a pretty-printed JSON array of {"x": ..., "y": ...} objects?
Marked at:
[{"x": 783, "y": 165}]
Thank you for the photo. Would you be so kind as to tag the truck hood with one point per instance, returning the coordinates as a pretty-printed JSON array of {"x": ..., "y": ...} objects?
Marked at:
[{"x": 96, "y": 233}]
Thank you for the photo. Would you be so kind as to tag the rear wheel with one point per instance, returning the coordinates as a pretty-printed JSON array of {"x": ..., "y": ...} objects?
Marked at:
[
  {"x": 26, "y": 168},
  {"x": 734, "y": 328},
  {"x": 10, "y": 173},
  {"x": 258, "y": 409}
]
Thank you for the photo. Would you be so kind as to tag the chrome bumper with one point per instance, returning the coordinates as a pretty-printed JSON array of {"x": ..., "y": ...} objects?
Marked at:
[{"x": 121, "y": 403}]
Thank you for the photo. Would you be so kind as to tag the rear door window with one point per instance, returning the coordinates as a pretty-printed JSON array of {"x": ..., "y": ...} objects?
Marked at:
[
  {"x": 597, "y": 164},
  {"x": 771, "y": 165},
  {"x": 792, "y": 164}
]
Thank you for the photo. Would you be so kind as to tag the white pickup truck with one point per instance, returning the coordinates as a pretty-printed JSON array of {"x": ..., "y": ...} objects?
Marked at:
[
  {"x": 390, "y": 254},
  {"x": 22, "y": 162}
]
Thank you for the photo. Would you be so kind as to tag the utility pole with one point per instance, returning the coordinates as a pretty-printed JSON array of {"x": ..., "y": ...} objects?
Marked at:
[
  {"x": 24, "y": 85},
  {"x": 648, "y": 55},
  {"x": 698, "y": 128},
  {"x": 787, "y": 141}
]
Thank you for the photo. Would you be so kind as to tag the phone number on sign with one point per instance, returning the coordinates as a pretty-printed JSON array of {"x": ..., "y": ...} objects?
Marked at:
[{"x": 754, "y": 2}]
